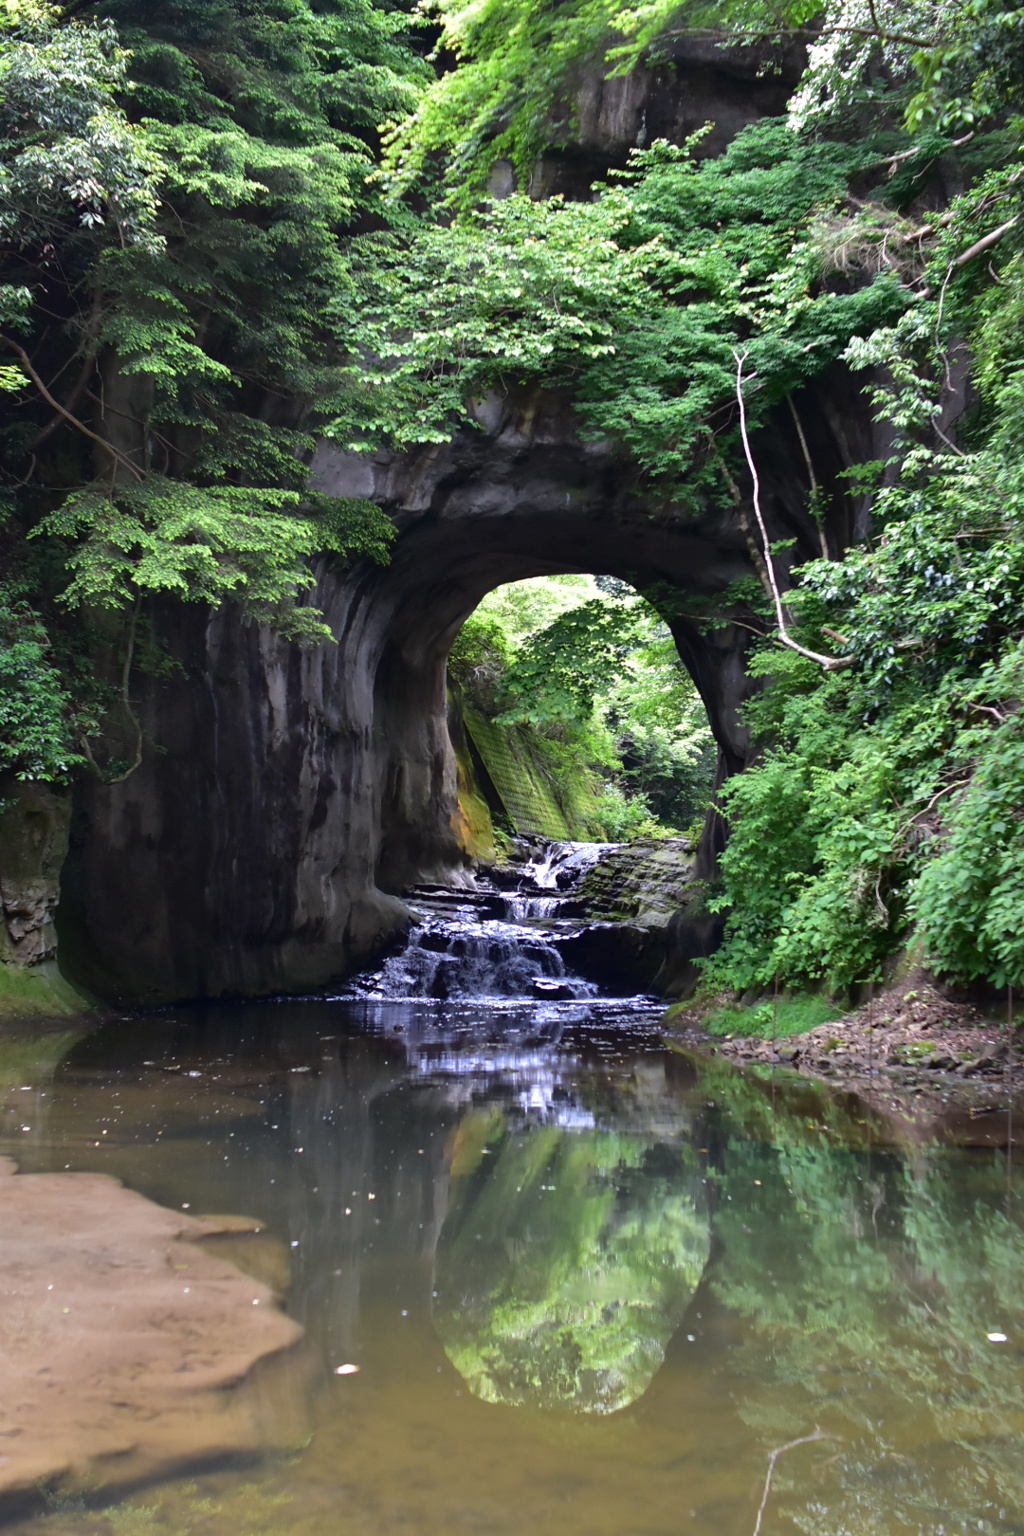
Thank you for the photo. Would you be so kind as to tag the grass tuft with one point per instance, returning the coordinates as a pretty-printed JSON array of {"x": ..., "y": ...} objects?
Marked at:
[{"x": 791, "y": 1016}]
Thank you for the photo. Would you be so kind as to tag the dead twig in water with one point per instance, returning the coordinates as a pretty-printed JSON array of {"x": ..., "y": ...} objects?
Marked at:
[{"x": 773, "y": 1456}]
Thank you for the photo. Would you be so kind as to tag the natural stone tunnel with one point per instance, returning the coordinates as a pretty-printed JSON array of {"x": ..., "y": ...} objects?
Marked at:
[{"x": 287, "y": 796}]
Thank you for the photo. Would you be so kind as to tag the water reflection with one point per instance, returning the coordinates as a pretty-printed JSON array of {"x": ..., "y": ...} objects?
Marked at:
[
  {"x": 566, "y": 1262},
  {"x": 882, "y": 1297},
  {"x": 501, "y": 1214}
]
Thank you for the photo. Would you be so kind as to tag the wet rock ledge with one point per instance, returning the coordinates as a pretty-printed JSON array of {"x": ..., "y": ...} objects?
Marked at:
[
  {"x": 126, "y": 1350},
  {"x": 628, "y": 899}
]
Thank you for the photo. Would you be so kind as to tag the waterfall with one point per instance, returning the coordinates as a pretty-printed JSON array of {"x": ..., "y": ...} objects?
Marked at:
[
  {"x": 495, "y": 940},
  {"x": 556, "y": 869}
]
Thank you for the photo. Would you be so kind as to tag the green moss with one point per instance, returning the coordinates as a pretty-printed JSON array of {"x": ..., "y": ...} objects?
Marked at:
[
  {"x": 471, "y": 822},
  {"x": 30, "y": 994},
  {"x": 518, "y": 775}
]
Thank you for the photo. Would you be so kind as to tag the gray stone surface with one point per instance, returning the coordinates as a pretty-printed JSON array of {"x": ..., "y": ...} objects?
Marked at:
[
  {"x": 644, "y": 881},
  {"x": 33, "y": 844}
]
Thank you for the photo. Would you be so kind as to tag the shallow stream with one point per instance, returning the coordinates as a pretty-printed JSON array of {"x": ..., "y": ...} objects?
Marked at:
[{"x": 590, "y": 1284}]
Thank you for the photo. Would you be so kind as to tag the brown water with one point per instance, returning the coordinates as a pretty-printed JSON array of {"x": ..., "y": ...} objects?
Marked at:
[{"x": 589, "y": 1284}]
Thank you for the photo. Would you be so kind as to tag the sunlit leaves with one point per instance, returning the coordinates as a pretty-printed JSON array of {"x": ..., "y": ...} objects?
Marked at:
[
  {"x": 636, "y": 301},
  {"x": 67, "y": 150},
  {"x": 516, "y": 89},
  {"x": 35, "y": 708},
  {"x": 207, "y": 545},
  {"x": 526, "y": 292}
]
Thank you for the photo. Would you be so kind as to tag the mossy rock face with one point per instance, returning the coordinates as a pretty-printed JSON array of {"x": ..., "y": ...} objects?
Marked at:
[
  {"x": 518, "y": 775},
  {"x": 33, "y": 844},
  {"x": 37, "y": 993},
  {"x": 643, "y": 882},
  {"x": 471, "y": 820}
]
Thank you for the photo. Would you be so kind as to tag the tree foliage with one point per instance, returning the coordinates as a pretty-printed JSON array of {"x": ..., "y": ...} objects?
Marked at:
[
  {"x": 205, "y": 262},
  {"x": 886, "y": 798},
  {"x": 637, "y": 301},
  {"x": 520, "y": 67},
  {"x": 899, "y": 779},
  {"x": 593, "y": 671},
  {"x": 35, "y": 708},
  {"x": 173, "y": 188}
]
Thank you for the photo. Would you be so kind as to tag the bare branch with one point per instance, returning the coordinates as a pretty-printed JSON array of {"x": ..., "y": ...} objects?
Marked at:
[
  {"x": 136, "y": 723},
  {"x": 946, "y": 789},
  {"x": 874, "y": 18},
  {"x": 126, "y": 672},
  {"x": 756, "y": 558},
  {"x": 892, "y": 161},
  {"x": 984, "y": 243},
  {"x": 830, "y": 663},
  {"x": 780, "y": 1450},
  {"x": 797, "y": 34},
  {"x": 54, "y": 403},
  {"x": 989, "y": 709},
  {"x": 77, "y": 391},
  {"x": 811, "y": 476}
]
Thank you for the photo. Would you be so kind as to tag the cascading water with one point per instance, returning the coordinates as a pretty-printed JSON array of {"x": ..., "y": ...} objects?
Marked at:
[{"x": 492, "y": 942}]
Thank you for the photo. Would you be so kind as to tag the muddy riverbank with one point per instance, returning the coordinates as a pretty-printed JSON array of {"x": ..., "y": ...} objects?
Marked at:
[{"x": 911, "y": 1053}]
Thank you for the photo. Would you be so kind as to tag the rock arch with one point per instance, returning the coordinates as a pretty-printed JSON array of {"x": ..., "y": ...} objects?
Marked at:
[{"x": 287, "y": 796}]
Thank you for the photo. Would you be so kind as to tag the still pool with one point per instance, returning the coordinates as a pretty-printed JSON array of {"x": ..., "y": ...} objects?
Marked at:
[{"x": 590, "y": 1284}]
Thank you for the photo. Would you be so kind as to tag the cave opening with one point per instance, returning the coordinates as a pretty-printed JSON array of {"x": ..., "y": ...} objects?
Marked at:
[
  {"x": 289, "y": 796},
  {"x": 573, "y": 717}
]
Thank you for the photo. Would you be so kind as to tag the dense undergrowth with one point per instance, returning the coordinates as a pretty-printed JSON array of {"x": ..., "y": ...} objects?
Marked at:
[
  {"x": 592, "y": 671},
  {"x": 211, "y": 252}
]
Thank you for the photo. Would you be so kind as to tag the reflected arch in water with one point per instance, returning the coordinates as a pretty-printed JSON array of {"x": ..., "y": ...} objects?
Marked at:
[{"x": 567, "y": 1261}]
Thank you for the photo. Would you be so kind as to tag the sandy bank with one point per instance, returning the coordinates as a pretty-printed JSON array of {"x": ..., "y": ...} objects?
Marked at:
[{"x": 125, "y": 1348}]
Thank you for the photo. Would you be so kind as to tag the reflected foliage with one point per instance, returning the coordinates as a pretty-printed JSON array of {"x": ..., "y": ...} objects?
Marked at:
[
  {"x": 566, "y": 1264},
  {"x": 868, "y": 1284}
]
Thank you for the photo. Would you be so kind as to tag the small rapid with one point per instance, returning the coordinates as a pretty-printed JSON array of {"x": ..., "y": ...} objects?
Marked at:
[{"x": 500, "y": 938}]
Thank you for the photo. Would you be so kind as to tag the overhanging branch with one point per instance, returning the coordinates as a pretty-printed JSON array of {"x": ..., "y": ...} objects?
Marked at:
[
  {"x": 830, "y": 663},
  {"x": 54, "y": 404}
]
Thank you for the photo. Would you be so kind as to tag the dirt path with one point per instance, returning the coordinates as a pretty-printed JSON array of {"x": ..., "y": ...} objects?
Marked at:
[{"x": 125, "y": 1349}]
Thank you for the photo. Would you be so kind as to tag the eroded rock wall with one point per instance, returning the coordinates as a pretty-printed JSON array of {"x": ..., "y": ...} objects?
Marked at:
[
  {"x": 33, "y": 844},
  {"x": 286, "y": 796},
  {"x": 240, "y": 856}
]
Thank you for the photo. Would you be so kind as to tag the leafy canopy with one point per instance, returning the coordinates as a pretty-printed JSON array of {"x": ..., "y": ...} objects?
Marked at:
[
  {"x": 636, "y": 301},
  {"x": 174, "y": 183},
  {"x": 520, "y": 65}
]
